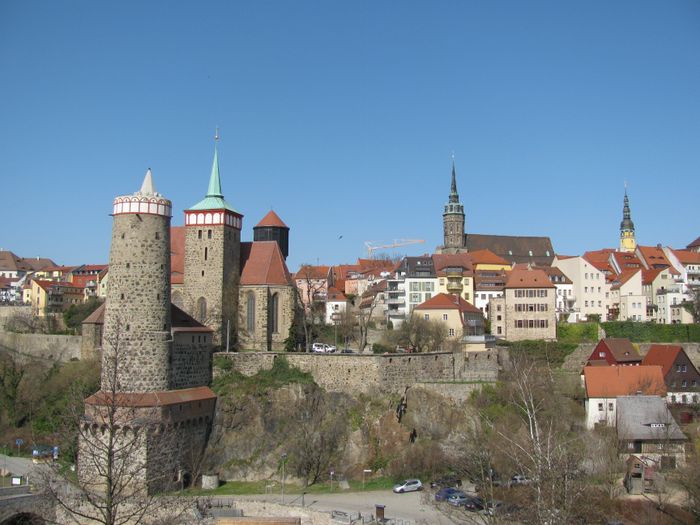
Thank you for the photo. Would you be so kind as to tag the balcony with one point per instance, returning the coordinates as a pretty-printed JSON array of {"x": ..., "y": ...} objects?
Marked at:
[{"x": 395, "y": 300}]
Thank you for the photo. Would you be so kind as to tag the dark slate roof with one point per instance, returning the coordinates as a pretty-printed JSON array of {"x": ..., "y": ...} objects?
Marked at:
[
  {"x": 646, "y": 418},
  {"x": 418, "y": 266},
  {"x": 694, "y": 244},
  {"x": 514, "y": 249}
]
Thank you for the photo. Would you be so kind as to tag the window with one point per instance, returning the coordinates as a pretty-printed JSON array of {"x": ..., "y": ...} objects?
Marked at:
[
  {"x": 199, "y": 234},
  {"x": 206, "y": 253},
  {"x": 250, "y": 313},
  {"x": 444, "y": 317},
  {"x": 684, "y": 368},
  {"x": 684, "y": 384},
  {"x": 600, "y": 407},
  {"x": 426, "y": 317},
  {"x": 274, "y": 309},
  {"x": 498, "y": 330},
  {"x": 611, "y": 407},
  {"x": 451, "y": 332},
  {"x": 208, "y": 234},
  {"x": 201, "y": 309},
  {"x": 498, "y": 308},
  {"x": 498, "y": 318},
  {"x": 678, "y": 368},
  {"x": 601, "y": 354}
]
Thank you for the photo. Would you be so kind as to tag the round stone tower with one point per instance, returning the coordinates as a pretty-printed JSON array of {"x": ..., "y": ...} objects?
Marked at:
[{"x": 137, "y": 337}]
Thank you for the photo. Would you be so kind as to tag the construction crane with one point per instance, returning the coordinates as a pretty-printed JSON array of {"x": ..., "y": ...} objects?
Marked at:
[{"x": 372, "y": 246}]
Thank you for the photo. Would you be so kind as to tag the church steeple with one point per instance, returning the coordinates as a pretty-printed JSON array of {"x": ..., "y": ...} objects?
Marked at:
[
  {"x": 628, "y": 242},
  {"x": 453, "y": 218},
  {"x": 214, "y": 180}
]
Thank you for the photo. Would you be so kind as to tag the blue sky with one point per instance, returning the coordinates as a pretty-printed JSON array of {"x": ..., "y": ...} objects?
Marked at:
[{"x": 342, "y": 117}]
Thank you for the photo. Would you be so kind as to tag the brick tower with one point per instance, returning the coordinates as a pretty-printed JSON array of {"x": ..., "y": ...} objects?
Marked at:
[
  {"x": 453, "y": 219},
  {"x": 137, "y": 315},
  {"x": 212, "y": 259}
]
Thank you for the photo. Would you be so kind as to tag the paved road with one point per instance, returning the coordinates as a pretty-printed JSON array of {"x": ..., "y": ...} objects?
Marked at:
[
  {"x": 413, "y": 506},
  {"x": 17, "y": 466}
]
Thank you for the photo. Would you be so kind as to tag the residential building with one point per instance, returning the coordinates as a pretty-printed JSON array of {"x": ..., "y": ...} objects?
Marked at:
[
  {"x": 565, "y": 300},
  {"x": 626, "y": 297},
  {"x": 665, "y": 301},
  {"x": 48, "y": 297},
  {"x": 312, "y": 283},
  {"x": 604, "y": 384},
  {"x": 653, "y": 281},
  {"x": 459, "y": 316},
  {"x": 527, "y": 309},
  {"x": 14, "y": 267},
  {"x": 646, "y": 426},
  {"x": 687, "y": 263},
  {"x": 591, "y": 291},
  {"x": 8, "y": 290},
  {"x": 653, "y": 257},
  {"x": 395, "y": 293},
  {"x": 420, "y": 280},
  {"x": 680, "y": 314},
  {"x": 455, "y": 275},
  {"x": 680, "y": 375},
  {"x": 614, "y": 351},
  {"x": 336, "y": 306}
]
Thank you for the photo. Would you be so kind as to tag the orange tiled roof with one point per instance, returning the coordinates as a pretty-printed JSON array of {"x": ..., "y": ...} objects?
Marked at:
[
  {"x": 614, "y": 381},
  {"x": 443, "y": 301},
  {"x": 262, "y": 263},
  {"x": 308, "y": 271},
  {"x": 444, "y": 260},
  {"x": 663, "y": 356},
  {"x": 273, "y": 220},
  {"x": 654, "y": 255},
  {"x": 624, "y": 276},
  {"x": 649, "y": 275},
  {"x": 335, "y": 295},
  {"x": 521, "y": 278},
  {"x": 153, "y": 399},
  {"x": 486, "y": 256},
  {"x": 687, "y": 256}
]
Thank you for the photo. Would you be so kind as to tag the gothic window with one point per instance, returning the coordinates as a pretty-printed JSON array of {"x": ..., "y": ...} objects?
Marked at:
[
  {"x": 250, "y": 313},
  {"x": 201, "y": 309},
  {"x": 274, "y": 312}
]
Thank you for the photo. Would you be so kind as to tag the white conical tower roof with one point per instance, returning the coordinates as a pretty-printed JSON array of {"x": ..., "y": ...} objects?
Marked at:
[{"x": 148, "y": 188}]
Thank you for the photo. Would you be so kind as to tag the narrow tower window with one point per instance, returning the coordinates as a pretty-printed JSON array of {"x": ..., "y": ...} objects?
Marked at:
[
  {"x": 250, "y": 314},
  {"x": 208, "y": 234},
  {"x": 273, "y": 313},
  {"x": 206, "y": 253},
  {"x": 199, "y": 234}
]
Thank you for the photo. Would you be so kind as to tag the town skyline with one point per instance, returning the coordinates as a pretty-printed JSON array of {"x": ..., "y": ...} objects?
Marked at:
[{"x": 343, "y": 121}]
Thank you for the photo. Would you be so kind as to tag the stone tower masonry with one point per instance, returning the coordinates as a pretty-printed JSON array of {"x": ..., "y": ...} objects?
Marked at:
[
  {"x": 137, "y": 316},
  {"x": 453, "y": 220},
  {"x": 212, "y": 260}
]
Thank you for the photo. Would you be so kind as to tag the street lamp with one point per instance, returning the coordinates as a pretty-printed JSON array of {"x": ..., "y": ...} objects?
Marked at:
[
  {"x": 365, "y": 471},
  {"x": 284, "y": 460}
]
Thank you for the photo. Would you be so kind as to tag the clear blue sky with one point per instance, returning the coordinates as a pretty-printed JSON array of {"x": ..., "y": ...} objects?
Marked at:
[{"x": 342, "y": 117}]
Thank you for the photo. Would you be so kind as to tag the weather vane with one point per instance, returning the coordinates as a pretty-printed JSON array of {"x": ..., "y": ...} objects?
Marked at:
[{"x": 216, "y": 134}]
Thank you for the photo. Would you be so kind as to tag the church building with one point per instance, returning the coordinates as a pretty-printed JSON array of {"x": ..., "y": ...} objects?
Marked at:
[{"x": 241, "y": 290}]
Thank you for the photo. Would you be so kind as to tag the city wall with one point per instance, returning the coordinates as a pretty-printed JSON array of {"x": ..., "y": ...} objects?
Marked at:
[
  {"x": 362, "y": 373},
  {"x": 42, "y": 346}
]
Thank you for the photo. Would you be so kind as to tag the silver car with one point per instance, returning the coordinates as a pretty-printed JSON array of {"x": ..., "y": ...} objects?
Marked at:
[{"x": 410, "y": 485}]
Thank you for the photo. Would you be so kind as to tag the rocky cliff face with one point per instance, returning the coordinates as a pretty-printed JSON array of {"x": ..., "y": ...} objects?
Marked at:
[{"x": 318, "y": 430}]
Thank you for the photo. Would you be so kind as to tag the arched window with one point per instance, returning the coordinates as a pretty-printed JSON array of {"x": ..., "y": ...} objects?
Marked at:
[
  {"x": 250, "y": 313},
  {"x": 273, "y": 316},
  {"x": 201, "y": 310}
]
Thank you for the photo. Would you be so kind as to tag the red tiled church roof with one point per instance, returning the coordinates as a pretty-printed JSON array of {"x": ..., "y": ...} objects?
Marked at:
[{"x": 262, "y": 263}]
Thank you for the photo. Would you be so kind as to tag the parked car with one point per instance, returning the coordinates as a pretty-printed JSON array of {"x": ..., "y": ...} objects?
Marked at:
[
  {"x": 322, "y": 348},
  {"x": 41, "y": 453},
  {"x": 410, "y": 485},
  {"x": 347, "y": 351},
  {"x": 458, "y": 499},
  {"x": 446, "y": 492},
  {"x": 475, "y": 504},
  {"x": 519, "y": 479},
  {"x": 446, "y": 481}
]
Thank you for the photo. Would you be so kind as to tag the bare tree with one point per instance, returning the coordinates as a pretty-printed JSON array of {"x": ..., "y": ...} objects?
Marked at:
[
  {"x": 317, "y": 442},
  {"x": 11, "y": 376},
  {"x": 308, "y": 288},
  {"x": 369, "y": 301},
  {"x": 127, "y": 452},
  {"x": 421, "y": 335}
]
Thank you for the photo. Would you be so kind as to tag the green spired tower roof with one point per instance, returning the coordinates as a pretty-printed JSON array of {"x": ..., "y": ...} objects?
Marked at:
[{"x": 214, "y": 199}]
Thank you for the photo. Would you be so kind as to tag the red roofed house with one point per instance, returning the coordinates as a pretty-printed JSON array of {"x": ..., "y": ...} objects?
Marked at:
[
  {"x": 604, "y": 384},
  {"x": 687, "y": 263},
  {"x": 51, "y": 297},
  {"x": 614, "y": 351},
  {"x": 313, "y": 282},
  {"x": 681, "y": 377},
  {"x": 694, "y": 246},
  {"x": 460, "y": 317},
  {"x": 455, "y": 274},
  {"x": 588, "y": 273},
  {"x": 527, "y": 309}
]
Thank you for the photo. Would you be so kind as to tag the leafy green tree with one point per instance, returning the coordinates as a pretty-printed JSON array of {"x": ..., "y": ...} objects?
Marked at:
[{"x": 77, "y": 313}]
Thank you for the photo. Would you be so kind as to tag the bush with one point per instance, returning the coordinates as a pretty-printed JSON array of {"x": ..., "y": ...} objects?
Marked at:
[
  {"x": 577, "y": 332},
  {"x": 552, "y": 353},
  {"x": 379, "y": 348},
  {"x": 77, "y": 313},
  {"x": 230, "y": 380},
  {"x": 652, "y": 332}
]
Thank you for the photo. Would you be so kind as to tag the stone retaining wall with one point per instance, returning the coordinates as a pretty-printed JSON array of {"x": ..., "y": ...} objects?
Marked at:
[
  {"x": 265, "y": 508},
  {"x": 362, "y": 373},
  {"x": 457, "y": 392},
  {"x": 41, "y": 346}
]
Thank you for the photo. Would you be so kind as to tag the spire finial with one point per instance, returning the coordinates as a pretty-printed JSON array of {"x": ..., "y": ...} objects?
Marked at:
[
  {"x": 454, "y": 196},
  {"x": 148, "y": 188},
  {"x": 216, "y": 135},
  {"x": 215, "y": 180}
]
